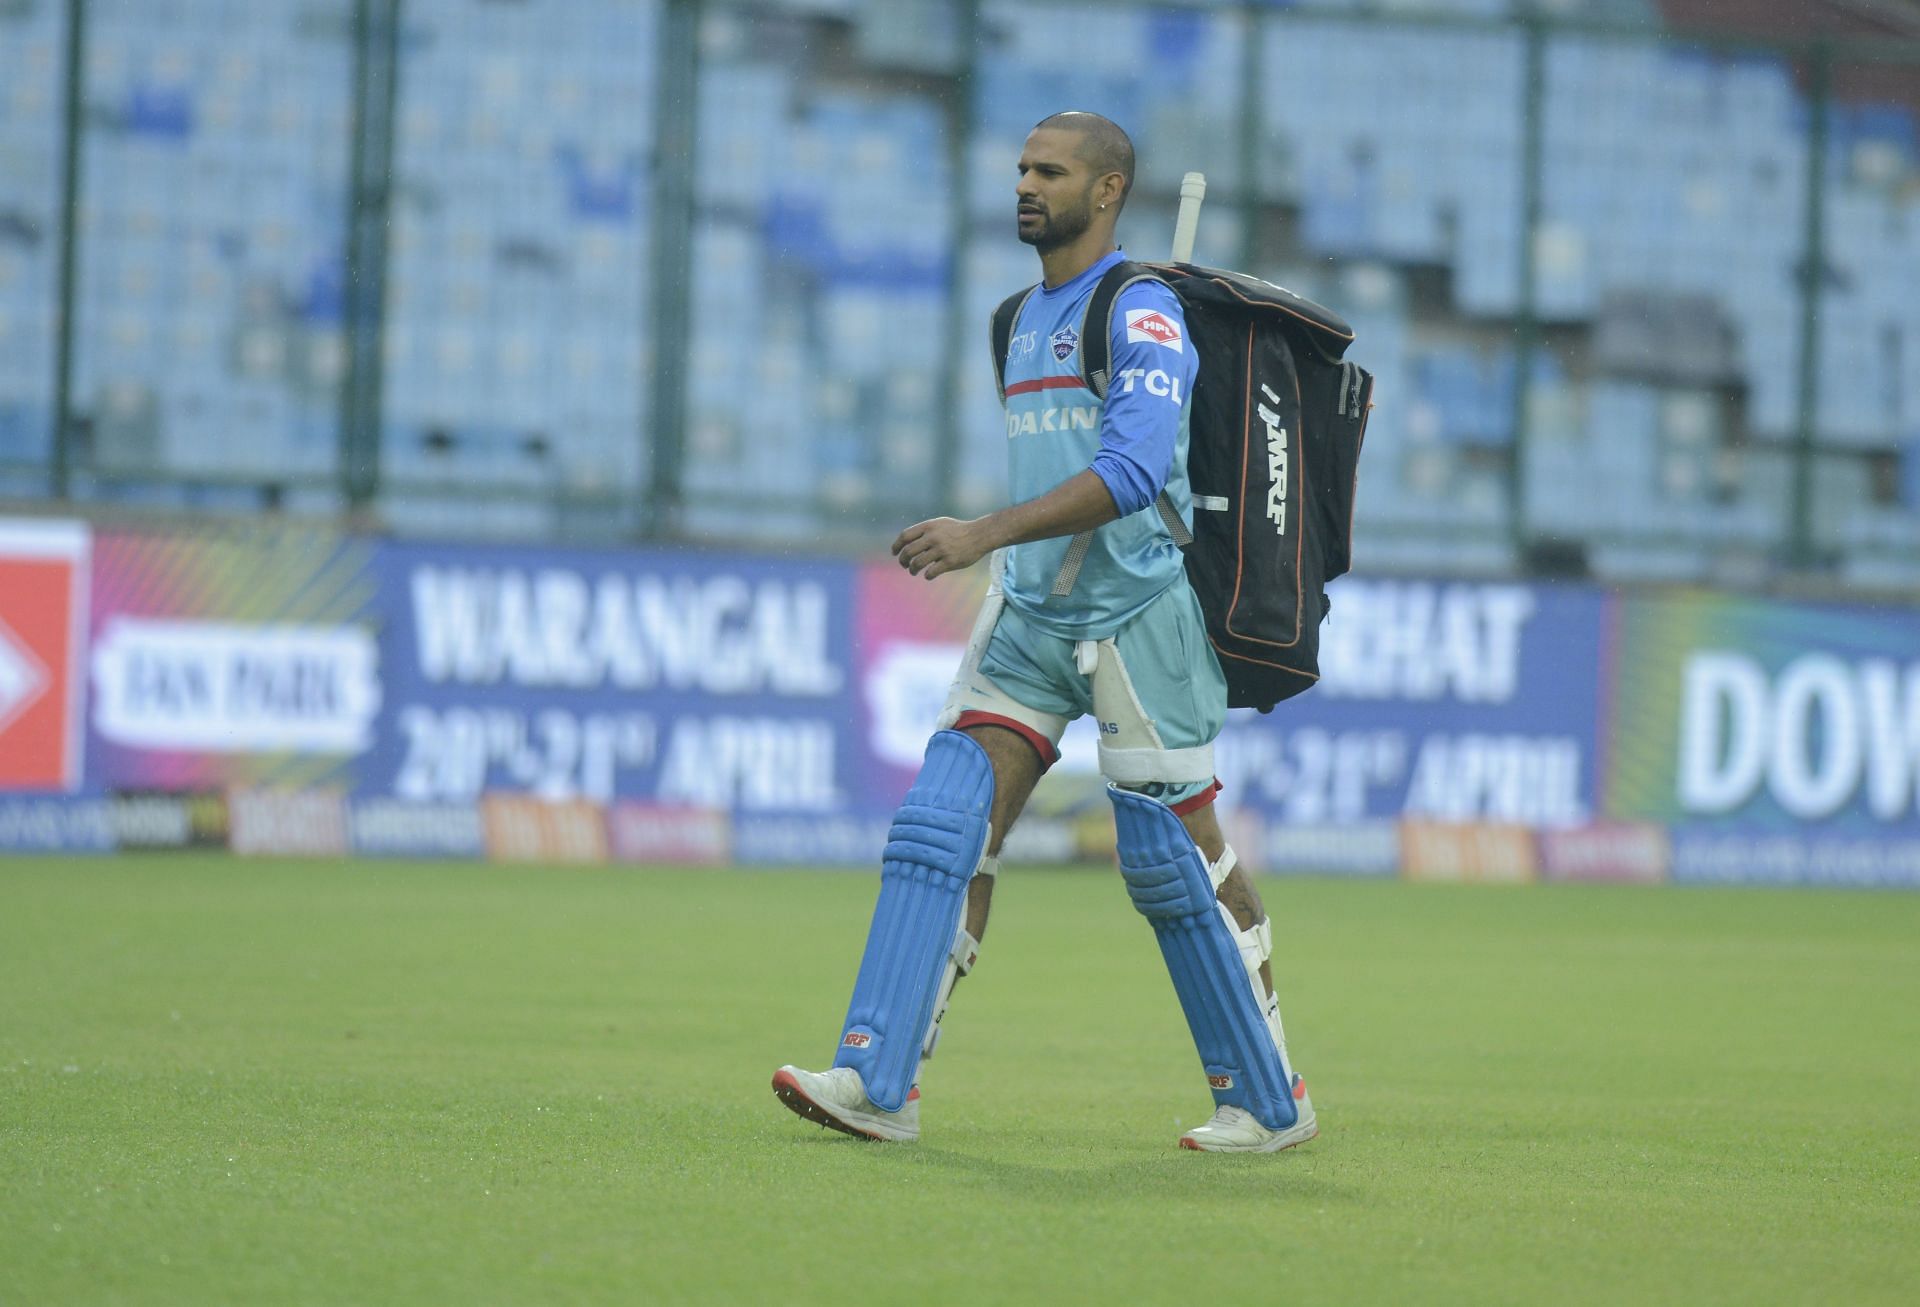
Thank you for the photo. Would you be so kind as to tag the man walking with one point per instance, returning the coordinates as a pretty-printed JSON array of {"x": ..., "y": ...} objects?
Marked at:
[{"x": 1089, "y": 612}]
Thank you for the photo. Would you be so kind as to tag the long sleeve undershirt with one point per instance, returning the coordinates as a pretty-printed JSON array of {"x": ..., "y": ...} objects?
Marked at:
[{"x": 1150, "y": 380}]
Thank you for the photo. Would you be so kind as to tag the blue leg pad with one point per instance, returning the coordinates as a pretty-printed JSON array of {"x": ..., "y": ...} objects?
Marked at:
[
  {"x": 935, "y": 844},
  {"x": 1167, "y": 878}
]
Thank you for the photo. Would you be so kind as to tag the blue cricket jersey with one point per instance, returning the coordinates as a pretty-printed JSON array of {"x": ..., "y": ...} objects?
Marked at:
[{"x": 1136, "y": 442}]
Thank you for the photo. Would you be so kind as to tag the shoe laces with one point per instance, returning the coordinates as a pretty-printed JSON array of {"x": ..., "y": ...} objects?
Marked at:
[{"x": 1228, "y": 1115}]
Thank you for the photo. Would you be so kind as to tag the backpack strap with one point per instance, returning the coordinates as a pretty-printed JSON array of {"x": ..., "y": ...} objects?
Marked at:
[
  {"x": 1096, "y": 347},
  {"x": 1077, "y": 547},
  {"x": 1000, "y": 331},
  {"x": 1171, "y": 517},
  {"x": 1096, "y": 367}
]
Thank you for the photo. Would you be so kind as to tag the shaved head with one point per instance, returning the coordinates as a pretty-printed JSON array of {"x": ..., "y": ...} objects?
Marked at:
[{"x": 1103, "y": 146}]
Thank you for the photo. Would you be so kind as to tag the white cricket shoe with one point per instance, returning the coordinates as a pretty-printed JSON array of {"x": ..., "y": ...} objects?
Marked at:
[
  {"x": 837, "y": 1098},
  {"x": 1234, "y": 1129}
]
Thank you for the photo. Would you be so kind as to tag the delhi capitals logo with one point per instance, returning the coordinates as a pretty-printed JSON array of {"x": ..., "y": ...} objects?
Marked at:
[{"x": 1065, "y": 341}]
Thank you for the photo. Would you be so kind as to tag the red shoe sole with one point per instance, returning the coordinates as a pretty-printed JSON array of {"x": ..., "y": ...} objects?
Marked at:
[{"x": 788, "y": 1091}]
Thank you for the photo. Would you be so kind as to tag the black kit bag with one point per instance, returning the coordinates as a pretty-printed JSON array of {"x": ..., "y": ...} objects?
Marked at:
[{"x": 1272, "y": 456}]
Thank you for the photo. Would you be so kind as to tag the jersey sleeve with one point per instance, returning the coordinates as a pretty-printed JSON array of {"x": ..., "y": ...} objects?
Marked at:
[{"x": 1150, "y": 382}]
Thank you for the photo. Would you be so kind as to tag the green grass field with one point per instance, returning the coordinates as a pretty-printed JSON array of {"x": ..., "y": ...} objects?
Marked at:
[{"x": 259, "y": 1082}]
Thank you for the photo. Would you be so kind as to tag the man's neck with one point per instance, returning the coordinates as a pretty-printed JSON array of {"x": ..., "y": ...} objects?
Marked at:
[{"x": 1061, "y": 265}]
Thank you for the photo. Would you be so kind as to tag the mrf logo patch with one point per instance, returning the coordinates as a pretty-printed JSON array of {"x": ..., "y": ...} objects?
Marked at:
[
  {"x": 856, "y": 1039},
  {"x": 1152, "y": 327},
  {"x": 1220, "y": 1082},
  {"x": 1065, "y": 341}
]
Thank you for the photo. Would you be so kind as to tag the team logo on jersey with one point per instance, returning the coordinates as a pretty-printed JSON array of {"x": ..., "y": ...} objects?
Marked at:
[
  {"x": 1065, "y": 341},
  {"x": 1152, "y": 327}
]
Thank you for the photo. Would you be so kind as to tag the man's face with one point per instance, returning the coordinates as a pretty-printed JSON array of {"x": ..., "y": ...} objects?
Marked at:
[{"x": 1055, "y": 191}]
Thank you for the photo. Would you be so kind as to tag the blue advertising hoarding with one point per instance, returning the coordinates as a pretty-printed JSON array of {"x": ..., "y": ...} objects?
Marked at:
[
  {"x": 276, "y": 689},
  {"x": 707, "y": 681},
  {"x": 1443, "y": 703},
  {"x": 1451, "y": 701}
]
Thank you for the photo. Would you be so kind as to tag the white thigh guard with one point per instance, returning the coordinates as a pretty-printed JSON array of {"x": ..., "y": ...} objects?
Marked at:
[
  {"x": 972, "y": 692},
  {"x": 977, "y": 694},
  {"x": 983, "y": 623},
  {"x": 1131, "y": 751}
]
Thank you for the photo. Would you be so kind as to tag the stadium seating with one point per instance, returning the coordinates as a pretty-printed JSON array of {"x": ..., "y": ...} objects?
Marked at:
[
  {"x": 821, "y": 278},
  {"x": 519, "y": 264},
  {"x": 519, "y": 345},
  {"x": 1666, "y": 172},
  {"x": 31, "y": 90}
]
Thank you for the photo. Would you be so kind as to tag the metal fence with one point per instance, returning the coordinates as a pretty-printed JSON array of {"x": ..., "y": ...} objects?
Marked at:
[{"x": 1641, "y": 301}]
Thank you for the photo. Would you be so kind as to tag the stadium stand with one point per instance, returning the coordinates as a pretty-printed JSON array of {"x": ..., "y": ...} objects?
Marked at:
[
  {"x": 212, "y": 215},
  {"x": 31, "y": 90},
  {"x": 1662, "y": 400},
  {"x": 515, "y": 350},
  {"x": 820, "y": 282}
]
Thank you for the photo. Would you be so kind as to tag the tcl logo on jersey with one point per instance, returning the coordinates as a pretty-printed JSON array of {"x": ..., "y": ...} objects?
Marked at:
[
  {"x": 1164, "y": 384},
  {"x": 1152, "y": 327},
  {"x": 1070, "y": 417},
  {"x": 1276, "y": 461}
]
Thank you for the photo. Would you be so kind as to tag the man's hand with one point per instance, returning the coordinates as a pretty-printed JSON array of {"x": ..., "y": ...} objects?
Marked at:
[
  {"x": 943, "y": 544},
  {"x": 940, "y": 545}
]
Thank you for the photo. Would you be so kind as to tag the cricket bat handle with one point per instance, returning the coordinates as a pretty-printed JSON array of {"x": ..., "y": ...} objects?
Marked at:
[{"x": 1193, "y": 189}]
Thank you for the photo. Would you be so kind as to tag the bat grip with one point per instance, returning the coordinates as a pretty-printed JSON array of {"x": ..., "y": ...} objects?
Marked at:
[{"x": 1193, "y": 190}]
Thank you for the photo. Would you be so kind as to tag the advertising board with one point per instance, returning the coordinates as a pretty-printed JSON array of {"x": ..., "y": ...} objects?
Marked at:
[
  {"x": 703, "y": 681},
  {"x": 1777, "y": 741},
  {"x": 283, "y": 689},
  {"x": 242, "y": 655},
  {"x": 44, "y": 573}
]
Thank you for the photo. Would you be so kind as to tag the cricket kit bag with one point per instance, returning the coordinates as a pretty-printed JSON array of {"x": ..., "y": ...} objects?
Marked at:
[{"x": 1273, "y": 450}]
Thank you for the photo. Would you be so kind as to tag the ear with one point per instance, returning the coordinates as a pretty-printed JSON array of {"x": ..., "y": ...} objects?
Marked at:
[{"x": 1108, "y": 190}]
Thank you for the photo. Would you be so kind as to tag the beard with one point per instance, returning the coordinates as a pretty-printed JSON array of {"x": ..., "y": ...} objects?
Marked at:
[{"x": 1057, "y": 227}]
